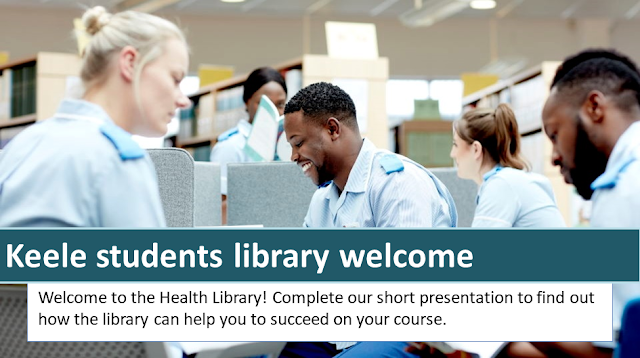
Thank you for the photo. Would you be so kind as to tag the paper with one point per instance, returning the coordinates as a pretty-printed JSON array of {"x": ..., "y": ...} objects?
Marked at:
[
  {"x": 351, "y": 40},
  {"x": 261, "y": 144},
  {"x": 283, "y": 148}
]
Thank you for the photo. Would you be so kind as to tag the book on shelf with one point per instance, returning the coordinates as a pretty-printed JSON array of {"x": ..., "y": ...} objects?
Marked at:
[
  {"x": 187, "y": 118},
  {"x": 204, "y": 125},
  {"x": 5, "y": 95},
  {"x": 23, "y": 90},
  {"x": 230, "y": 108},
  {"x": 16, "y": 92}
]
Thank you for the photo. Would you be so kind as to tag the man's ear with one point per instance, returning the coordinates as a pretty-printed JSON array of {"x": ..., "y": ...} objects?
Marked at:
[
  {"x": 126, "y": 62},
  {"x": 334, "y": 128},
  {"x": 594, "y": 106}
]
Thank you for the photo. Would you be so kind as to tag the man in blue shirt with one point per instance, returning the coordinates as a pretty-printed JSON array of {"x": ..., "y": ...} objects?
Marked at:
[
  {"x": 360, "y": 185},
  {"x": 592, "y": 118}
]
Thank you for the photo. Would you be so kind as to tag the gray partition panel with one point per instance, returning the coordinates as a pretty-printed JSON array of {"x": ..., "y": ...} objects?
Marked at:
[
  {"x": 463, "y": 192},
  {"x": 270, "y": 194},
  {"x": 13, "y": 335},
  {"x": 175, "y": 169},
  {"x": 208, "y": 201}
]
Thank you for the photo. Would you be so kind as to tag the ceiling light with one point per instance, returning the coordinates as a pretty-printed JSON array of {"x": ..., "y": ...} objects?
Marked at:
[
  {"x": 232, "y": 0},
  {"x": 483, "y": 4}
]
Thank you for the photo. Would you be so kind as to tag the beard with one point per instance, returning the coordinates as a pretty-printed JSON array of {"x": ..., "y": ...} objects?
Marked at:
[
  {"x": 323, "y": 176},
  {"x": 589, "y": 163}
]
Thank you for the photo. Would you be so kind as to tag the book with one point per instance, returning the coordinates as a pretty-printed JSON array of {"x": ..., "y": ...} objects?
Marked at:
[
  {"x": 205, "y": 114},
  {"x": 261, "y": 143},
  {"x": 5, "y": 95},
  {"x": 478, "y": 349}
]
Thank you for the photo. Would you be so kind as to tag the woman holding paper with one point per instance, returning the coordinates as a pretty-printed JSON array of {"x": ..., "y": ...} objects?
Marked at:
[
  {"x": 81, "y": 167},
  {"x": 230, "y": 146},
  {"x": 486, "y": 148}
]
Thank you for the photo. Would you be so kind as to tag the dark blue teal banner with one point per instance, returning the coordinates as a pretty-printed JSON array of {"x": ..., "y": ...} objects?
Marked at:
[{"x": 318, "y": 255}]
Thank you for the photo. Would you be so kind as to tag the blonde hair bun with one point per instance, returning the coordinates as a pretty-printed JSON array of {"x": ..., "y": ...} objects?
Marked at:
[{"x": 95, "y": 19}]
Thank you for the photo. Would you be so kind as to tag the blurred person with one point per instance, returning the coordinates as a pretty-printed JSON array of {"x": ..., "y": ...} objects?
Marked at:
[{"x": 81, "y": 167}]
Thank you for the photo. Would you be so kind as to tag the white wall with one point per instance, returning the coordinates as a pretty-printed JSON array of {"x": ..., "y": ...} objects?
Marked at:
[{"x": 443, "y": 50}]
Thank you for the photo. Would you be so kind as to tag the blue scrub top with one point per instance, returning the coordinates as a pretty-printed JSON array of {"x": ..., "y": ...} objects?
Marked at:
[
  {"x": 510, "y": 197},
  {"x": 616, "y": 199},
  {"x": 78, "y": 169},
  {"x": 383, "y": 190}
]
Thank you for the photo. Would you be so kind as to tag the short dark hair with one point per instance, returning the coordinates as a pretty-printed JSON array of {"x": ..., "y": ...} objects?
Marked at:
[
  {"x": 607, "y": 71},
  {"x": 321, "y": 100},
  {"x": 259, "y": 78}
]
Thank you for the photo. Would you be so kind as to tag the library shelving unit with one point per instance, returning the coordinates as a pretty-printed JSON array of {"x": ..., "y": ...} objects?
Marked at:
[
  {"x": 32, "y": 88},
  {"x": 527, "y": 92},
  {"x": 219, "y": 106}
]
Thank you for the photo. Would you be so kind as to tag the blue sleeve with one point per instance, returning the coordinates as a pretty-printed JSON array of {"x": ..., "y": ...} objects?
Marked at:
[
  {"x": 128, "y": 195},
  {"x": 498, "y": 205}
]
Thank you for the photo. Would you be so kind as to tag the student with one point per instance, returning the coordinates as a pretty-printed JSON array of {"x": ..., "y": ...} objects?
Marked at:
[
  {"x": 592, "y": 118},
  {"x": 361, "y": 186},
  {"x": 81, "y": 167},
  {"x": 486, "y": 148},
  {"x": 230, "y": 145}
]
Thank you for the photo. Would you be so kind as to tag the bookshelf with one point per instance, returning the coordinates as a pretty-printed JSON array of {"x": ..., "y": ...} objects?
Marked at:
[
  {"x": 219, "y": 106},
  {"x": 32, "y": 88},
  {"x": 527, "y": 92}
]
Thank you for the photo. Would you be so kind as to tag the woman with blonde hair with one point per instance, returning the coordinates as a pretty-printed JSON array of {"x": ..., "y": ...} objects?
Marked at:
[
  {"x": 81, "y": 167},
  {"x": 486, "y": 148}
]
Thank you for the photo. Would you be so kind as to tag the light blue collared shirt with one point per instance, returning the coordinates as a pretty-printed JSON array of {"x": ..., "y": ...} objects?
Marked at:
[
  {"x": 616, "y": 200},
  {"x": 510, "y": 197},
  {"x": 616, "y": 203},
  {"x": 78, "y": 169},
  {"x": 230, "y": 149},
  {"x": 412, "y": 197}
]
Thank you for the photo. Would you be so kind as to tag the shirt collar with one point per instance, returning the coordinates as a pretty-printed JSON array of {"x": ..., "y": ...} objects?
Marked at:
[
  {"x": 244, "y": 127},
  {"x": 620, "y": 158},
  {"x": 492, "y": 172},
  {"x": 82, "y": 110},
  {"x": 360, "y": 172}
]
